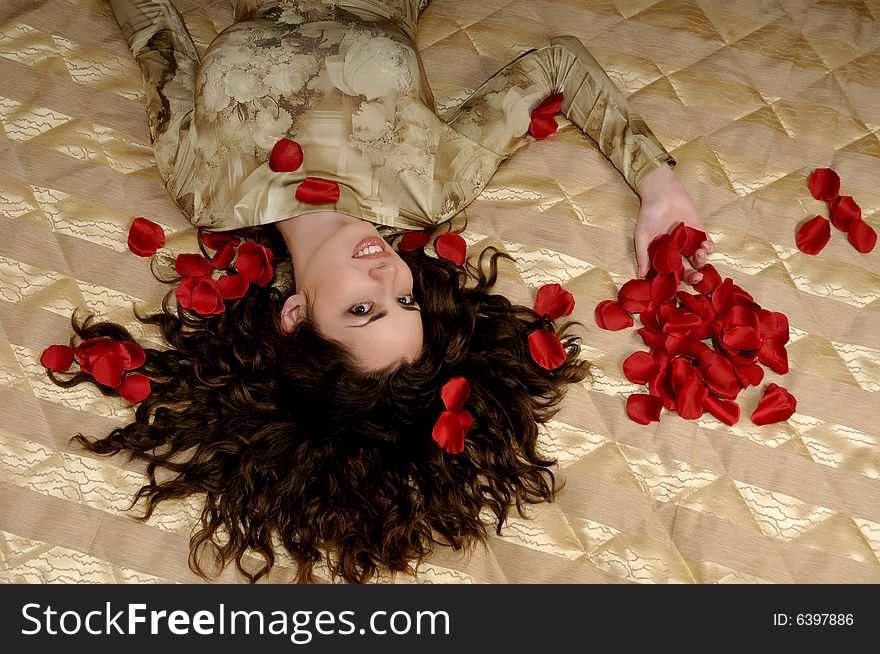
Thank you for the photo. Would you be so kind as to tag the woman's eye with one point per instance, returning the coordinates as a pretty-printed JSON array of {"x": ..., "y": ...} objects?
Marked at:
[
  {"x": 406, "y": 300},
  {"x": 362, "y": 309}
]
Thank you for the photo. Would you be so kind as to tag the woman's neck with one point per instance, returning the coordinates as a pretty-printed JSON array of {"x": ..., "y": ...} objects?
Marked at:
[{"x": 304, "y": 234}]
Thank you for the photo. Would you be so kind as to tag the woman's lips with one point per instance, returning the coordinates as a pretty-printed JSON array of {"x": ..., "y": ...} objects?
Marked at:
[{"x": 367, "y": 242}]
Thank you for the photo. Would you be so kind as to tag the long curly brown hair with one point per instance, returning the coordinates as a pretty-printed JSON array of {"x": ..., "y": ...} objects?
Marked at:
[{"x": 289, "y": 441}]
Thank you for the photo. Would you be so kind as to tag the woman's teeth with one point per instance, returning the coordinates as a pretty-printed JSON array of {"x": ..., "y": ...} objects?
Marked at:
[{"x": 370, "y": 249}]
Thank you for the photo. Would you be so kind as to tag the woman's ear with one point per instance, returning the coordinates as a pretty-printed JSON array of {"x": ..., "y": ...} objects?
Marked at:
[{"x": 293, "y": 312}]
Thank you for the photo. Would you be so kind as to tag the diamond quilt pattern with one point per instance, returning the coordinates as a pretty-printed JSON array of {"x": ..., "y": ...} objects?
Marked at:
[{"x": 748, "y": 96}]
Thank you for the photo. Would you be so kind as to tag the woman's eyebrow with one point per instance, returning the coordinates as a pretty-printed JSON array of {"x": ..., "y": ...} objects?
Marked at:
[{"x": 382, "y": 314}]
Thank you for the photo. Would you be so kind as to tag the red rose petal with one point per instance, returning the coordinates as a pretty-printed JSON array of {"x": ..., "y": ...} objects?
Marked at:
[
  {"x": 749, "y": 374},
  {"x": 232, "y": 287},
  {"x": 725, "y": 410},
  {"x": 773, "y": 324},
  {"x": 777, "y": 405},
  {"x": 727, "y": 295},
  {"x": 663, "y": 288},
  {"x": 549, "y": 106},
  {"x": 216, "y": 241},
  {"x": 107, "y": 370},
  {"x": 634, "y": 295},
  {"x": 690, "y": 392},
  {"x": 57, "y": 358},
  {"x": 667, "y": 258},
  {"x": 611, "y": 317},
  {"x": 643, "y": 409},
  {"x": 650, "y": 316},
  {"x": 255, "y": 263},
  {"x": 145, "y": 237},
  {"x": 452, "y": 246},
  {"x": 844, "y": 211},
  {"x": 206, "y": 298},
  {"x": 862, "y": 236},
  {"x": 286, "y": 156},
  {"x": 542, "y": 127},
  {"x": 135, "y": 387},
  {"x": 813, "y": 235},
  {"x": 455, "y": 393},
  {"x": 413, "y": 241},
  {"x": 681, "y": 321},
  {"x": 654, "y": 340},
  {"x": 661, "y": 386},
  {"x": 694, "y": 241},
  {"x": 824, "y": 184},
  {"x": 546, "y": 349},
  {"x": 192, "y": 265},
  {"x": 679, "y": 344},
  {"x": 552, "y": 302},
  {"x": 136, "y": 357},
  {"x": 223, "y": 257},
  {"x": 314, "y": 190},
  {"x": 773, "y": 354},
  {"x": 450, "y": 429},
  {"x": 718, "y": 373},
  {"x": 741, "y": 338},
  {"x": 640, "y": 367},
  {"x": 711, "y": 279}
]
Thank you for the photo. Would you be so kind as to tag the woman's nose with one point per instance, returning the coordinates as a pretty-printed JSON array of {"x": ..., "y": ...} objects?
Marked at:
[{"x": 384, "y": 269}]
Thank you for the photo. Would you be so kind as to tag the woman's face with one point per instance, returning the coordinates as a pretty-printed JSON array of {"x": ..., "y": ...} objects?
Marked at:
[{"x": 359, "y": 292}]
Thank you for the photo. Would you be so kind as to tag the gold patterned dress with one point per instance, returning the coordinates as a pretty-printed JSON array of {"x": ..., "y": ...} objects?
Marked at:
[{"x": 345, "y": 81}]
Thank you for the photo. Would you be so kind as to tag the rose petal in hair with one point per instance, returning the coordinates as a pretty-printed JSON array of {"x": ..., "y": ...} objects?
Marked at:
[
  {"x": 232, "y": 286},
  {"x": 135, "y": 387},
  {"x": 643, "y": 409},
  {"x": 135, "y": 355},
  {"x": 552, "y": 302},
  {"x": 200, "y": 294},
  {"x": 315, "y": 190},
  {"x": 412, "y": 241},
  {"x": 452, "y": 247},
  {"x": 844, "y": 211},
  {"x": 824, "y": 184},
  {"x": 223, "y": 257},
  {"x": 215, "y": 240},
  {"x": 57, "y": 358},
  {"x": 862, "y": 236},
  {"x": 777, "y": 405},
  {"x": 546, "y": 349},
  {"x": 450, "y": 429},
  {"x": 455, "y": 393},
  {"x": 192, "y": 265},
  {"x": 286, "y": 156},
  {"x": 611, "y": 317},
  {"x": 813, "y": 235},
  {"x": 255, "y": 262},
  {"x": 145, "y": 237}
]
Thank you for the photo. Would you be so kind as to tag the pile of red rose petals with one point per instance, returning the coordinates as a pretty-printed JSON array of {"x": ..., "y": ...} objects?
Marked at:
[
  {"x": 551, "y": 302},
  {"x": 109, "y": 362},
  {"x": 199, "y": 290},
  {"x": 845, "y": 214},
  {"x": 684, "y": 373}
]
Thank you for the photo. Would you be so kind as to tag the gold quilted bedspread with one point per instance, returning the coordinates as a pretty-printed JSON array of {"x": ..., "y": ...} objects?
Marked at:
[{"x": 748, "y": 96}]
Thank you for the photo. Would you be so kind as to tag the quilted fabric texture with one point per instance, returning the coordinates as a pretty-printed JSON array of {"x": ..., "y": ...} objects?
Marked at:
[{"x": 748, "y": 97}]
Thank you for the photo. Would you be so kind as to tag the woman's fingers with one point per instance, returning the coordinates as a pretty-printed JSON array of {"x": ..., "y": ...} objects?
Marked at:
[{"x": 690, "y": 275}]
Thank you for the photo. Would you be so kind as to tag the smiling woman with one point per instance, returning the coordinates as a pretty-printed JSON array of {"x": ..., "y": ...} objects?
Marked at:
[{"x": 385, "y": 401}]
